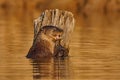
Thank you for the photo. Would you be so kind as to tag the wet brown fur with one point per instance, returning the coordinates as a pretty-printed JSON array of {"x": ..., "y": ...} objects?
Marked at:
[
  {"x": 44, "y": 44},
  {"x": 40, "y": 49}
]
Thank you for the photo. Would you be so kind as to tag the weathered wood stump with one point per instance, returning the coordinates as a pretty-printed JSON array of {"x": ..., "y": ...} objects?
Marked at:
[{"x": 61, "y": 19}]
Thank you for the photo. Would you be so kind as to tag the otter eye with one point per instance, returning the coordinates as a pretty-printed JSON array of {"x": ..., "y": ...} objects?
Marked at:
[{"x": 59, "y": 35}]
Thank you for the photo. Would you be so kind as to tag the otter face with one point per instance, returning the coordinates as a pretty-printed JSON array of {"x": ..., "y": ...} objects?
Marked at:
[
  {"x": 56, "y": 35},
  {"x": 52, "y": 32}
]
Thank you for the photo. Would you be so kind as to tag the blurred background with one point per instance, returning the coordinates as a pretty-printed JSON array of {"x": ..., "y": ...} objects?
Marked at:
[{"x": 94, "y": 48}]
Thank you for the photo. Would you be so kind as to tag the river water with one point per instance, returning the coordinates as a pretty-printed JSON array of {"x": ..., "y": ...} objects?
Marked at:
[{"x": 94, "y": 49}]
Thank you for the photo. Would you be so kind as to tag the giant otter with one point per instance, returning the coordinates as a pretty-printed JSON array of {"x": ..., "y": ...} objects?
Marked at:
[{"x": 47, "y": 43}]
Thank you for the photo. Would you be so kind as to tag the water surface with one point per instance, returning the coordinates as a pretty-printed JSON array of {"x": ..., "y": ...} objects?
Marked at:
[{"x": 94, "y": 49}]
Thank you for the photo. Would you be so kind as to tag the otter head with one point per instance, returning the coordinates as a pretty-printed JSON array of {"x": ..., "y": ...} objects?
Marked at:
[{"x": 52, "y": 32}]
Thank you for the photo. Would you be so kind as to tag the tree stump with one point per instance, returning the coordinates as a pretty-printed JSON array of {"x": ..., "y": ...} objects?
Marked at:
[{"x": 59, "y": 18}]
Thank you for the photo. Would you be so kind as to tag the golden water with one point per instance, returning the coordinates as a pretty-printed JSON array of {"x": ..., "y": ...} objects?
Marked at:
[{"x": 94, "y": 49}]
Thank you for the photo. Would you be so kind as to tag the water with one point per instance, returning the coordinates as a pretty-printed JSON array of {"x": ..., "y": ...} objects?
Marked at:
[{"x": 94, "y": 49}]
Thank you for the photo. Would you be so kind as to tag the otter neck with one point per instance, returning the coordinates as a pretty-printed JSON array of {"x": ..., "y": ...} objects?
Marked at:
[{"x": 49, "y": 41}]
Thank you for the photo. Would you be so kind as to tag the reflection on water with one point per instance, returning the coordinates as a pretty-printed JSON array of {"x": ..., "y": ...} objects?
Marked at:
[
  {"x": 94, "y": 49},
  {"x": 51, "y": 69}
]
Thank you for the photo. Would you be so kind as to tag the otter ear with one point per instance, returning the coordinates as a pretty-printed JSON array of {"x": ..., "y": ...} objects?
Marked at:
[{"x": 43, "y": 30}]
